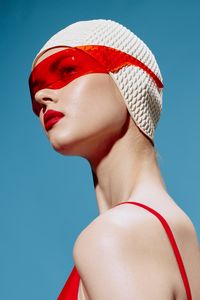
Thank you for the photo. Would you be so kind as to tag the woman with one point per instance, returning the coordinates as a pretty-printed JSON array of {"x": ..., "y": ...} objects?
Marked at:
[{"x": 142, "y": 245}]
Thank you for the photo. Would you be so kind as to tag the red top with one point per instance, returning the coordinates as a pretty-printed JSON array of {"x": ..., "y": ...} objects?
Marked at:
[{"x": 70, "y": 289}]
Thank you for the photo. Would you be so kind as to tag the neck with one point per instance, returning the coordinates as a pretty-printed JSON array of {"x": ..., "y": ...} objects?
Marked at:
[{"x": 128, "y": 172}]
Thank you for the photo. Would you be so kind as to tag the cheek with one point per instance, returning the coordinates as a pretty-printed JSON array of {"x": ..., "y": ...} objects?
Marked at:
[
  {"x": 93, "y": 110},
  {"x": 94, "y": 102}
]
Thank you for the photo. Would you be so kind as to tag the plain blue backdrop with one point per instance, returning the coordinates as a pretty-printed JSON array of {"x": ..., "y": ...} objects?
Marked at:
[{"x": 46, "y": 199}]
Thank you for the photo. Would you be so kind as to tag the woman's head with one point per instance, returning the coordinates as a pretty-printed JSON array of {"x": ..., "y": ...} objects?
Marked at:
[
  {"x": 118, "y": 68},
  {"x": 93, "y": 112}
]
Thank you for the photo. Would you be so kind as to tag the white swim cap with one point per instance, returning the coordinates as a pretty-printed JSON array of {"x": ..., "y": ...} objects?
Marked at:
[{"x": 140, "y": 92}]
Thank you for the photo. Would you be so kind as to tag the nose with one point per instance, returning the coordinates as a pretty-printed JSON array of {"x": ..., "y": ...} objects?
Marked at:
[{"x": 45, "y": 97}]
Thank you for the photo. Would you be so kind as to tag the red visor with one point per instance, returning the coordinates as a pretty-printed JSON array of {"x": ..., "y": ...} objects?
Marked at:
[{"x": 60, "y": 68}]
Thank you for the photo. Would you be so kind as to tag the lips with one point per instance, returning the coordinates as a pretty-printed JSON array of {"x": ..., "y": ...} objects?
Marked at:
[{"x": 51, "y": 117}]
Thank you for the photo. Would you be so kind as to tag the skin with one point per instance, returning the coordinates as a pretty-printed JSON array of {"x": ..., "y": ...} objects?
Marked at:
[{"x": 124, "y": 253}]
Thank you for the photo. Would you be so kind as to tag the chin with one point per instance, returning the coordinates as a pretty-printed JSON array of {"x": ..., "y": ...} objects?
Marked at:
[
  {"x": 59, "y": 140},
  {"x": 64, "y": 142}
]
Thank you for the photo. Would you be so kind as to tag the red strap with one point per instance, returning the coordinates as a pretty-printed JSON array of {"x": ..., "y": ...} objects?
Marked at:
[
  {"x": 173, "y": 243},
  {"x": 115, "y": 59},
  {"x": 60, "y": 68}
]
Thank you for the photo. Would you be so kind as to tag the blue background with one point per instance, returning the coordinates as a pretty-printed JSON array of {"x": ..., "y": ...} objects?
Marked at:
[{"x": 46, "y": 199}]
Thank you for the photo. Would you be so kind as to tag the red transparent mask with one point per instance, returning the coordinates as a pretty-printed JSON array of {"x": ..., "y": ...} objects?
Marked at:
[{"x": 60, "y": 68}]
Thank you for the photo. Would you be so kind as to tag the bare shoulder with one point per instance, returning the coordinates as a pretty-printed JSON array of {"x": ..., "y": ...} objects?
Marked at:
[
  {"x": 127, "y": 223},
  {"x": 125, "y": 246}
]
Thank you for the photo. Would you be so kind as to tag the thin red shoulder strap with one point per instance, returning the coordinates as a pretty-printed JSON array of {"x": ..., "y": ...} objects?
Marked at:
[{"x": 173, "y": 243}]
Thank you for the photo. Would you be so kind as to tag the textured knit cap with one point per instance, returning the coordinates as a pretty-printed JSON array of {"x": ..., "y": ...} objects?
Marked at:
[{"x": 142, "y": 96}]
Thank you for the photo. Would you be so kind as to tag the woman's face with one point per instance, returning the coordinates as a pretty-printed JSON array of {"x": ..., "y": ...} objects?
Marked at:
[{"x": 93, "y": 111}]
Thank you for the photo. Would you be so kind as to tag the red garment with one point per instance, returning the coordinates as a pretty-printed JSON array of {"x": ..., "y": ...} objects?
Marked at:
[{"x": 70, "y": 289}]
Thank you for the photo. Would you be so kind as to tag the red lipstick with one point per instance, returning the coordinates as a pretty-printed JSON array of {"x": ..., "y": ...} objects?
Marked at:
[{"x": 51, "y": 117}]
